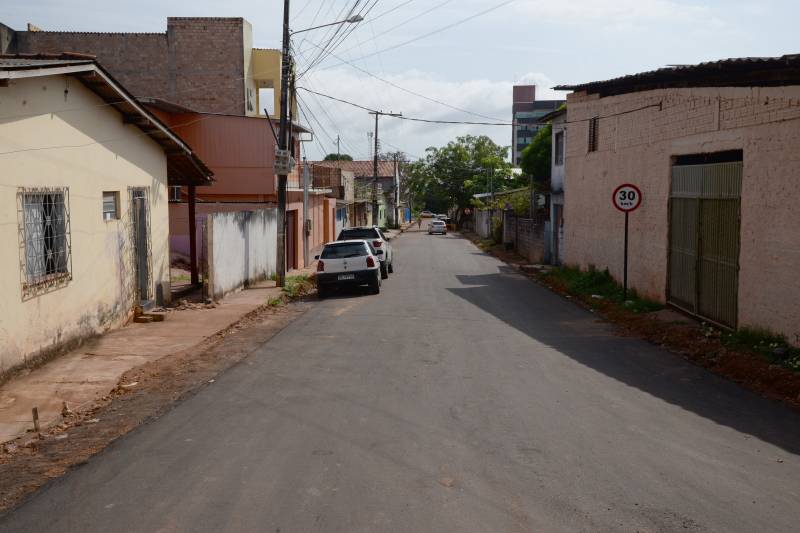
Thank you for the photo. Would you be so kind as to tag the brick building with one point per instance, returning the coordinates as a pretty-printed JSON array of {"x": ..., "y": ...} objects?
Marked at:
[
  {"x": 714, "y": 149},
  {"x": 204, "y": 79},
  {"x": 207, "y": 64}
]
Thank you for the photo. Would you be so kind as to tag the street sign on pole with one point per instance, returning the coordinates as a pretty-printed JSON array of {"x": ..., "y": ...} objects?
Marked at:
[{"x": 627, "y": 197}]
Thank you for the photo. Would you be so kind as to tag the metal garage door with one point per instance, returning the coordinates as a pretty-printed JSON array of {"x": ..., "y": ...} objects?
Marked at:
[{"x": 704, "y": 240}]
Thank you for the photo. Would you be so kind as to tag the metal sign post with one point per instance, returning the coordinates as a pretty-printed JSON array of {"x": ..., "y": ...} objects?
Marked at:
[{"x": 627, "y": 197}]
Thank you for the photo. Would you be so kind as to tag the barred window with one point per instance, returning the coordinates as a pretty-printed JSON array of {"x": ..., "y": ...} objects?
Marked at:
[
  {"x": 174, "y": 193},
  {"x": 45, "y": 229}
]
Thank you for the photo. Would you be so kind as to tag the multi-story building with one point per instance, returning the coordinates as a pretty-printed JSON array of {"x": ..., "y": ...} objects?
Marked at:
[
  {"x": 526, "y": 112},
  {"x": 207, "y": 64},
  {"x": 203, "y": 78}
]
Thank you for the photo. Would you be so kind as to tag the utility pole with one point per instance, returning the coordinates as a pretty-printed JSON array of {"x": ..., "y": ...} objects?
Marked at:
[
  {"x": 338, "y": 152},
  {"x": 305, "y": 211},
  {"x": 282, "y": 145},
  {"x": 375, "y": 164}
]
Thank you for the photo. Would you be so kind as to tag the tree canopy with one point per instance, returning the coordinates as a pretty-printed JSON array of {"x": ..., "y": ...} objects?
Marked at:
[
  {"x": 338, "y": 157},
  {"x": 448, "y": 176},
  {"x": 535, "y": 161}
]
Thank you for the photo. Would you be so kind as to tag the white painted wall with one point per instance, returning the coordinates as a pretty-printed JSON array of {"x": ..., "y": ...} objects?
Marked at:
[{"x": 241, "y": 249}]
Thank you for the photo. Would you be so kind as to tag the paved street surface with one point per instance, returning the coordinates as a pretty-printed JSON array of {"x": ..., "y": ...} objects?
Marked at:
[{"x": 462, "y": 398}]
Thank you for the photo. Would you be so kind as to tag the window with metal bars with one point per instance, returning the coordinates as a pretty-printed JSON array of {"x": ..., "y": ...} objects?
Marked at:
[
  {"x": 46, "y": 235},
  {"x": 110, "y": 205},
  {"x": 594, "y": 127}
]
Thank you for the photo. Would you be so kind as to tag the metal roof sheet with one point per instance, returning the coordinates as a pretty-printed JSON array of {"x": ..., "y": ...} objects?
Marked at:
[{"x": 737, "y": 72}]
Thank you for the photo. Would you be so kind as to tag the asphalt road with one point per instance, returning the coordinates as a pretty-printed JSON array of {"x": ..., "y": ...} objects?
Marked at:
[{"x": 463, "y": 398}]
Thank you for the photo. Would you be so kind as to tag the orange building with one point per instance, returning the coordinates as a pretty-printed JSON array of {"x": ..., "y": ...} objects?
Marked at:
[{"x": 240, "y": 150}]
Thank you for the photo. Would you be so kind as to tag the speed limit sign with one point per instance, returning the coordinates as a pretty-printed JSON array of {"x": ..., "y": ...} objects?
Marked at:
[{"x": 627, "y": 197}]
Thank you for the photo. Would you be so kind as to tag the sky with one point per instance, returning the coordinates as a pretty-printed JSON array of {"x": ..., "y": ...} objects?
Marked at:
[{"x": 456, "y": 55}]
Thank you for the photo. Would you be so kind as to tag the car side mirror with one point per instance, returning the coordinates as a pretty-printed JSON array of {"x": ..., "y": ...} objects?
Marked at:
[
  {"x": 379, "y": 252},
  {"x": 316, "y": 257}
]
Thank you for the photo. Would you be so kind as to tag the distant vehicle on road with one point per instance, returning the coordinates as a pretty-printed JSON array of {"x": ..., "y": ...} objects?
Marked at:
[
  {"x": 351, "y": 262},
  {"x": 426, "y": 214},
  {"x": 437, "y": 226},
  {"x": 378, "y": 240},
  {"x": 443, "y": 218}
]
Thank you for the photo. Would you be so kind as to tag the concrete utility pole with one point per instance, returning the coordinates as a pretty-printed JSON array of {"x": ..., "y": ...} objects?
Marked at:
[
  {"x": 283, "y": 135},
  {"x": 338, "y": 152},
  {"x": 375, "y": 165}
]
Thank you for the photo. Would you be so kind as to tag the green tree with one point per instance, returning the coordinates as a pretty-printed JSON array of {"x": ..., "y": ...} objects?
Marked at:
[
  {"x": 338, "y": 157},
  {"x": 447, "y": 177},
  {"x": 535, "y": 161}
]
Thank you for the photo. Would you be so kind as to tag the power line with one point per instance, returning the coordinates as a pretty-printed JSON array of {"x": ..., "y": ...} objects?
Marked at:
[
  {"x": 409, "y": 91},
  {"x": 414, "y": 119},
  {"x": 444, "y": 28},
  {"x": 401, "y": 24}
]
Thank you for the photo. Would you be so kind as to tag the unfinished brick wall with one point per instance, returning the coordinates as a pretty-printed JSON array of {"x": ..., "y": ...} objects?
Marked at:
[
  {"x": 639, "y": 135},
  {"x": 197, "y": 63}
]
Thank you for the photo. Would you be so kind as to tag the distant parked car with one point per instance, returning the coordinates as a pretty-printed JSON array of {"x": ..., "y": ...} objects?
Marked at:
[
  {"x": 426, "y": 214},
  {"x": 378, "y": 241},
  {"x": 437, "y": 226},
  {"x": 351, "y": 262},
  {"x": 443, "y": 218}
]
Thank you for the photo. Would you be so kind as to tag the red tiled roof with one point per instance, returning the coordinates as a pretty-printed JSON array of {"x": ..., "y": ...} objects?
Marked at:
[{"x": 361, "y": 168}]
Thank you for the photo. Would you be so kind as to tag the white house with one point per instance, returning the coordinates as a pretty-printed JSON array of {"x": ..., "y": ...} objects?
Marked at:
[{"x": 83, "y": 204}]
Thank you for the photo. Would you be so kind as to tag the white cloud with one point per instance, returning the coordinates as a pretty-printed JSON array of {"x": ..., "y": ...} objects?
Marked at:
[{"x": 480, "y": 96}]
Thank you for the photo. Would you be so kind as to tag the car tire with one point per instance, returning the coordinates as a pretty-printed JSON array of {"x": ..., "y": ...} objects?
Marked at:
[
  {"x": 384, "y": 271},
  {"x": 375, "y": 284},
  {"x": 391, "y": 268},
  {"x": 322, "y": 292}
]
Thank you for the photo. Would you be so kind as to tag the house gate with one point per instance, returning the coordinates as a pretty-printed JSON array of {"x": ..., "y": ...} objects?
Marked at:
[{"x": 703, "y": 273}]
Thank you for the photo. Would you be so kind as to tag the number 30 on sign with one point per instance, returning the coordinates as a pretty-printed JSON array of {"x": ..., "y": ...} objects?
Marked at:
[{"x": 627, "y": 197}]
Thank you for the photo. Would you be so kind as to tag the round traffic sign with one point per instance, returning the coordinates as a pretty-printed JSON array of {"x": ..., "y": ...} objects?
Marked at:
[{"x": 627, "y": 197}]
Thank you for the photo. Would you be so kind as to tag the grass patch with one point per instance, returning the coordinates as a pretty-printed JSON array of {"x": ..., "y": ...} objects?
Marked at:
[
  {"x": 275, "y": 302},
  {"x": 181, "y": 277},
  {"x": 770, "y": 346},
  {"x": 297, "y": 286},
  {"x": 596, "y": 285}
]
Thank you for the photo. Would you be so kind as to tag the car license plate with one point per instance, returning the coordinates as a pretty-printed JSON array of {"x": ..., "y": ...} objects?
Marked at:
[{"x": 343, "y": 277}]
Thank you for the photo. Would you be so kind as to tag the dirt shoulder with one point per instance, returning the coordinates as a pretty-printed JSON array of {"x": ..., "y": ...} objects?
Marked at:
[
  {"x": 143, "y": 394},
  {"x": 699, "y": 343}
]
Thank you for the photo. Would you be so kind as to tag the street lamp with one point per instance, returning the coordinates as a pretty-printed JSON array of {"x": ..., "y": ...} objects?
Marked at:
[{"x": 283, "y": 135}]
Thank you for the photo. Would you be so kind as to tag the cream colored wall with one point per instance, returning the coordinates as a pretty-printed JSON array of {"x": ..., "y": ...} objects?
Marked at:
[
  {"x": 638, "y": 137},
  {"x": 59, "y": 111}
]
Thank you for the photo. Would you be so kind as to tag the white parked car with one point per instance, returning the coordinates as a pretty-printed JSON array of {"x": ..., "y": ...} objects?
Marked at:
[
  {"x": 348, "y": 263},
  {"x": 437, "y": 226},
  {"x": 376, "y": 237}
]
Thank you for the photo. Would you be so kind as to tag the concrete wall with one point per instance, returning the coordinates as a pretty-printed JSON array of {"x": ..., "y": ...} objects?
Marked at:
[
  {"x": 101, "y": 292},
  {"x": 241, "y": 249},
  {"x": 639, "y": 134},
  {"x": 527, "y": 235}
]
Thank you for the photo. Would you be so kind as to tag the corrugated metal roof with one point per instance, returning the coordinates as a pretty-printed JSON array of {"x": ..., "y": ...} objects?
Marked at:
[{"x": 735, "y": 72}]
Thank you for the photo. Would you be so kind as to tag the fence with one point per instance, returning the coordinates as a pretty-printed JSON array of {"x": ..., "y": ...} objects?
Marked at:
[
  {"x": 483, "y": 221},
  {"x": 527, "y": 235},
  {"x": 241, "y": 249}
]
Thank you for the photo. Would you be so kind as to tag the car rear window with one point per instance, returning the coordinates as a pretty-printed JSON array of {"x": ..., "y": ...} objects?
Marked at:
[
  {"x": 344, "y": 250},
  {"x": 366, "y": 233}
]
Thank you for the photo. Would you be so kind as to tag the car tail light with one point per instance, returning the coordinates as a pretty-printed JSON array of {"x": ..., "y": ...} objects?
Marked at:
[
  {"x": 320, "y": 266},
  {"x": 377, "y": 244},
  {"x": 370, "y": 261}
]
